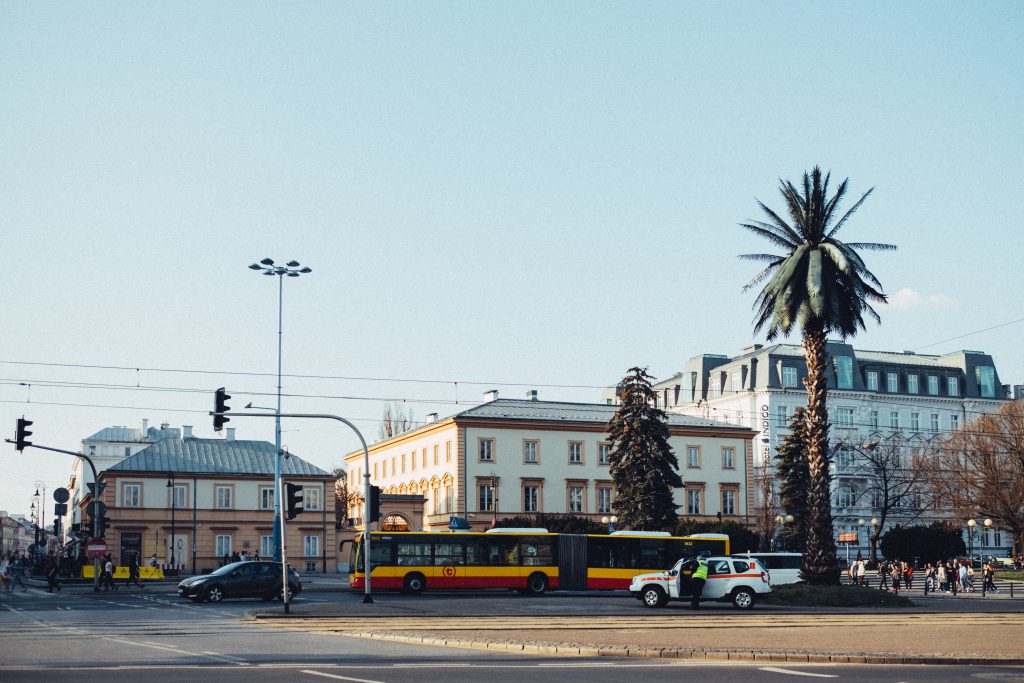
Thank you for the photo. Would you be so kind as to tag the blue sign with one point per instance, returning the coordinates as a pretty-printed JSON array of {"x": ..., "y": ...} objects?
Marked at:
[{"x": 457, "y": 523}]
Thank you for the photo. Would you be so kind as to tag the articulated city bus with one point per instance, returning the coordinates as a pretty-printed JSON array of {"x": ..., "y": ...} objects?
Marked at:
[{"x": 527, "y": 560}]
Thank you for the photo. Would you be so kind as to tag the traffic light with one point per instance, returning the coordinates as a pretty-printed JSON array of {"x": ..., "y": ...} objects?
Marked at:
[
  {"x": 220, "y": 406},
  {"x": 56, "y": 527},
  {"x": 293, "y": 500},
  {"x": 22, "y": 434},
  {"x": 374, "y": 503}
]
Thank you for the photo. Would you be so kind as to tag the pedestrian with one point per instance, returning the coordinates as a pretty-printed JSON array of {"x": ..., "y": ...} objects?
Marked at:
[
  {"x": 5, "y": 572},
  {"x": 941, "y": 576},
  {"x": 700, "y": 575},
  {"x": 18, "y": 570},
  {"x": 953, "y": 571},
  {"x": 133, "y": 571},
  {"x": 152, "y": 560},
  {"x": 226, "y": 561},
  {"x": 929, "y": 578},
  {"x": 883, "y": 576},
  {"x": 962, "y": 575},
  {"x": 969, "y": 579},
  {"x": 256, "y": 557},
  {"x": 989, "y": 579},
  {"x": 894, "y": 573},
  {"x": 52, "y": 575},
  {"x": 908, "y": 576},
  {"x": 107, "y": 577}
]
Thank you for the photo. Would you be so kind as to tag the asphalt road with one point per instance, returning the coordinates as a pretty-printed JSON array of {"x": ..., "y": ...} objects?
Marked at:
[{"x": 150, "y": 634}]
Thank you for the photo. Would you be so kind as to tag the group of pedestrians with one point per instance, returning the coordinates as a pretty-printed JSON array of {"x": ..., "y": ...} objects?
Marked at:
[
  {"x": 12, "y": 572},
  {"x": 958, "y": 576},
  {"x": 108, "y": 569}
]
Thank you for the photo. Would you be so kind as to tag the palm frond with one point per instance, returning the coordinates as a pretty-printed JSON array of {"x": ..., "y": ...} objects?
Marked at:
[
  {"x": 872, "y": 246},
  {"x": 768, "y": 235},
  {"x": 760, "y": 276},
  {"x": 780, "y": 223},
  {"x": 849, "y": 213},
  {"x": 761, "y": 257}
]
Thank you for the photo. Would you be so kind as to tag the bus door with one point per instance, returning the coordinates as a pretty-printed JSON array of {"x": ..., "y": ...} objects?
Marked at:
[
  {"x": 449, "y": 570},
  {"x": 537, "y": 554}
]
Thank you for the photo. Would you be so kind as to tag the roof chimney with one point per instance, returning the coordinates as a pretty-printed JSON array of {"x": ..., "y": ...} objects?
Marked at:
[
  {"x": 186, "y": 431},
  {"x": 490, "y": 395},
  {"x": 145, "y": 427},
  {"x": 231, "y": 434},
  {"x": 531, "y": 395},
  {"x": 164, "y": 425},
  {"x": 431, "y": 417}
]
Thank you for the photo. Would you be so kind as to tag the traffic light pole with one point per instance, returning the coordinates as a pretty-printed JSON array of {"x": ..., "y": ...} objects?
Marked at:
[
  {"x": 367, "y": 592},
  {"x": 95, "y": 501},
  {"x": 284, "y": 543}
]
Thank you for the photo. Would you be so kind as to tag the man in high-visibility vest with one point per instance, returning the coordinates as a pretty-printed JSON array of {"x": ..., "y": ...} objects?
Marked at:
[{"x": 700, "y": 575}]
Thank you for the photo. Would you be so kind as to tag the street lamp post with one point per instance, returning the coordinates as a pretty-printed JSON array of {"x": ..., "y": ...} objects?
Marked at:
[
  {"x": 41, "y": 507},
  {"x": 170, "y": 487},
  {"x": 611, "y": 522},
  {"x": 290, "y": 269},
  {"x": 872, "y": 540}
]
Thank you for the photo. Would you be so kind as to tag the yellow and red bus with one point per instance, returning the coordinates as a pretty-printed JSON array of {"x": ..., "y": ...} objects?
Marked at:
[{"x": 527, "y": 560}]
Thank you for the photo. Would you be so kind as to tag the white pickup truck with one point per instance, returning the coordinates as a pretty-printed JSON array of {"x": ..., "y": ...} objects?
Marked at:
[{"x": 730, "y": 579}]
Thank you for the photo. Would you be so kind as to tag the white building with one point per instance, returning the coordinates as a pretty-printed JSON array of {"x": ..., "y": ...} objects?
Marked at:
[
  {"x": 512, "y": 457},
  {"x": 873, "y": 396}
]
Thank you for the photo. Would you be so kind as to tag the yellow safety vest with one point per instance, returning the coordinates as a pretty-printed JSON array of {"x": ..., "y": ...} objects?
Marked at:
[{"x": 702, "y": 571}]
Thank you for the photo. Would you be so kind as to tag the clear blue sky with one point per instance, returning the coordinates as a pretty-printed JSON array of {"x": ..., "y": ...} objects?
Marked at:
[{"x": 504, "y": 193}]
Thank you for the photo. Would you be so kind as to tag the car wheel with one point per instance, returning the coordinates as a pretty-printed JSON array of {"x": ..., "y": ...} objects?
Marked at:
[
  {"x": 291, "y": 594},
  {"x": 414, "y": 584},
  {"x": 537, "y": 584},
  {"x": 652, "y": 596},
  {"x": 214, "y": 594},
  {"x": 743, "y": 598}
]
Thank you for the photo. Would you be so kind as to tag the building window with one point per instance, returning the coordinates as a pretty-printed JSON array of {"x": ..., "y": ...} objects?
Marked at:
[
  {"x": 530, "y": 452},
  {"x": 266, "y": 547},
  {"x": 575, "y": 499},
  {"x": 311, "y": 546},
  {"x": 310, "y": 498},
  {"x": 575, "y": 452},
  {"x": 844, "y": 457},
  {"x": 394, "y": 466},
  {"x": 933, "y": 422},
  {"x": 693, "y": 456},
  {"x": 788, "y": 376},
  {"x": 986, "y": 378},
  {"x": 844, "y": 372},
  {"x": 933, "y": 385},
  {"x": 912, "y": 384},
  {"x": 953, "y": 386},
  {"x": 131, "y": 496},
  {"x": 375, "y": 477},
  {"x": 267, "y": 497},
  {"x": 728, "y": 458},
  {"x": 403, "y": 462},
  {"x": 781, "y": 416},
  {"x": 693, "y": 501},
  {"x": 892, "y": 382},
  {"x": 531, "y": 499},
  {"x": 873, "y": 419},
  {"x": 435, "y": 455},
  {"x": 737, "y": 381},
  {"x": 872, "y": 380},
  {"x": 603, "y": 449},
  {"x": 223, "y": 545},
  {"x": 486, "y": 497},
  {"x": 435, "y": 496},
  {"x": 954, "y": 421},
  {"x": 846, "y": 497},
  {"x": 604, "y": 499},
  {"x": 423, "y": 456},
  {"x": 447, "y": 451},
  {"x": 894, "y": 419},
  {"x": 449, "y": 499},
  {"x": 222, "y": 497},
  {"x": 845, "y": 417},
  {"x": 486, "y": 447},
  {"x": 915, "y": 422},
  {"x": 728, "y": 502}
]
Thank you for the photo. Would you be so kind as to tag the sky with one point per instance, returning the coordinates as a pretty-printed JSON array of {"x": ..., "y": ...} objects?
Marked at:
[{"x": 489, "y": 195}]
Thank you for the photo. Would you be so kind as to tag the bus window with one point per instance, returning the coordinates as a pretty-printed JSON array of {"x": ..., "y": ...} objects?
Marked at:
[
  {"x": 413, "y": 554},
  {"x": 502, "y": 552},
  {"x": 383, "y": 553},
  {"x": 449, "y": 554},
  {"x": 652, "y": 555},
  {"x": 536, "y": 552}
]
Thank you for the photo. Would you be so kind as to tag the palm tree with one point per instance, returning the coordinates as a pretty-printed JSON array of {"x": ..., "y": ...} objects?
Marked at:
[{"x": 819, "y": 286}]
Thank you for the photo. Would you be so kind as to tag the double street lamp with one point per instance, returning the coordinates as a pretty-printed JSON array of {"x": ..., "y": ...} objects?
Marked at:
[
  {"x": 611, "y": 522},
  {"x": 290, "y": 269},
  {"x": 782, "y": 521},
  {"x": 971, "y": 523}
]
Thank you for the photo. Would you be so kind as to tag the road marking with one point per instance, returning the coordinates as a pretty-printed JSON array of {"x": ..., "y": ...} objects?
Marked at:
[
  {"x": 339, "y": 678},
  {"x": 176, "y": 650},
  {"x": 791, "y": 672}
]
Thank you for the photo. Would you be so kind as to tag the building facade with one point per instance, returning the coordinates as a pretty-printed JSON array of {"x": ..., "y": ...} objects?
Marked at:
[
  {"x": 900, "y": 400},
  {"x": 190, "y": 502},
  {"x": 510, "y": 457}
]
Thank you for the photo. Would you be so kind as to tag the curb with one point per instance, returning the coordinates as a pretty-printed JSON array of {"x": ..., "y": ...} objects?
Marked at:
[{"x": 563, "y": 649}]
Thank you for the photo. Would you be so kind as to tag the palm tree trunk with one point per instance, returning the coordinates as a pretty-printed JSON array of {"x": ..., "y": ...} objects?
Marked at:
[{"x": 820, "y": 566}]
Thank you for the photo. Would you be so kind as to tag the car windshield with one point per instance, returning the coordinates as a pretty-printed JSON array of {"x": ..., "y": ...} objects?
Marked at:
[{"x": 227, "y": 569}]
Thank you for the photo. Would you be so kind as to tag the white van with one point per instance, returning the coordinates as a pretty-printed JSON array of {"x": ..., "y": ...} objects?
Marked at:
[{"x": 782, "y": 567}]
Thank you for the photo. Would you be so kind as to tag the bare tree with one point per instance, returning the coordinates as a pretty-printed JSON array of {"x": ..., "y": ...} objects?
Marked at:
[
  {"x": 341, "y": 499},
  {"x": 894, "y": 482},
  {"x": 397, "y": 419},
  {"x": 980, "y": 470}
]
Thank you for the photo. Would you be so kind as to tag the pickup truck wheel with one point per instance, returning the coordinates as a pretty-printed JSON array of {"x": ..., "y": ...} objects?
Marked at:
[
  {"x": 743, "y": 598},
  {"x": 652, "y": 596}
]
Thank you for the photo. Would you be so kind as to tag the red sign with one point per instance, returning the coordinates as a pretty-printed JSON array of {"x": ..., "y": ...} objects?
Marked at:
[
  {"x": 848, "y": 538},
  {"x": 96, "y": 547}
]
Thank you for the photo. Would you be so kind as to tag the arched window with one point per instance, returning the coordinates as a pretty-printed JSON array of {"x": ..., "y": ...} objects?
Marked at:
[
  {"x": 846, "y": 497},
  {"x": 394, "y": 523}
]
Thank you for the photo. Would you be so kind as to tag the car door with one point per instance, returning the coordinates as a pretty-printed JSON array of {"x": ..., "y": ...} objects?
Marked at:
[
  {"x": 717, "y": 584},
  {"x": 684, "y": 579},
  {"x": 244, "y": 581}
]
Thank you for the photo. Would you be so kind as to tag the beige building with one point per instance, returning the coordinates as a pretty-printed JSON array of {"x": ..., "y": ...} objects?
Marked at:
[
  {"x": 510, "y": 457},
  {"x": 191, "y": 501}
]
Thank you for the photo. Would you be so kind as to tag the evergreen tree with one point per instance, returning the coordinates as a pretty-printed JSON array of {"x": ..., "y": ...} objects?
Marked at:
[
  {"x": 794, "y": 474},
  {"x": 640, "y": 459}
]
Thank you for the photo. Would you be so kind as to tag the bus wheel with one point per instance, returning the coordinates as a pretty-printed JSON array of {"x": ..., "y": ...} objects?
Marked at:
[
  {"x": 414, "y": 584},
  {"x": 537, "y": 584}
]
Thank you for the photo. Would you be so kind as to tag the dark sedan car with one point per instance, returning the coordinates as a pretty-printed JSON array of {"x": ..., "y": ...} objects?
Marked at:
[{"x": 240, "y": 580}]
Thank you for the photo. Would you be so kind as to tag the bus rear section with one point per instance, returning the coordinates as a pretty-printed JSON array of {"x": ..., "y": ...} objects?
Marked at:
[
  {"x": 613, "y": 560},
  {"x": 414, "y": 562}
]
